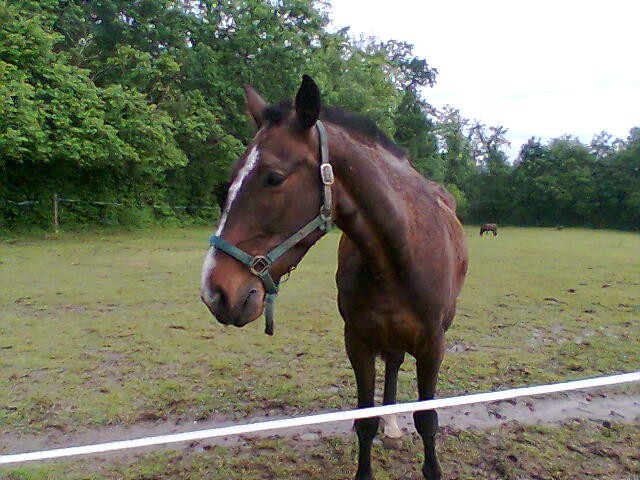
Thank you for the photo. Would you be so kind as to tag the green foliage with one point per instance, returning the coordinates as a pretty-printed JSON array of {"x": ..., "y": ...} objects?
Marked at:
[
  {"x": 561, "y": 183},
  {"x": 462, "y": 203},
  {"x": 140, "y": 104},
  {"x": 455, "y": 148},
  {"x": 358, "y": 76},
  {"x": 415, "y": 131},
  {"x": 564, "y": 183}
]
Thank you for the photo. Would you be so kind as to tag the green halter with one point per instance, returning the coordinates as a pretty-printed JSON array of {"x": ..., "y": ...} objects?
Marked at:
[{"x": 259, "y": 265}]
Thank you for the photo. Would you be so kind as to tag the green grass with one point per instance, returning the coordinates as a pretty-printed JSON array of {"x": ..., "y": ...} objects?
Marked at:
[
  {"x": 543, "y": 305},
  {"x": 103, "y": 329},
  {"x": 109, "y": 329}
]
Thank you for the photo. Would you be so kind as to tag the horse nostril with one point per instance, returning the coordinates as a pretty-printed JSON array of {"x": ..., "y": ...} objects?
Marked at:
[{"x": 247, "y": 299}]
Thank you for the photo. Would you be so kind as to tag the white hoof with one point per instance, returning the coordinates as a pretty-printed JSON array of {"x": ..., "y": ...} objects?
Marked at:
[{"x": 391, "y": 428}]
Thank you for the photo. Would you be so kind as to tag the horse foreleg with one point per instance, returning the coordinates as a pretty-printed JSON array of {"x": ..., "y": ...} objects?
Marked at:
[
  {"x": 363, "y": 362},
  {"x": 426, "y": 422},
  {"x": 393, "y": 361}
]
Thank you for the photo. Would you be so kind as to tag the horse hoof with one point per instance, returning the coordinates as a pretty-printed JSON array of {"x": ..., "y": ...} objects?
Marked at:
[
  {"x": 364, "y": 477},
  {"x": 390, "y": 427},
  {"x": 431, "y": 473}
]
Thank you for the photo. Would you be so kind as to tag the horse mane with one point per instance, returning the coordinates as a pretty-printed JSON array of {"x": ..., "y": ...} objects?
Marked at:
[{"x": 276, "y": 113}]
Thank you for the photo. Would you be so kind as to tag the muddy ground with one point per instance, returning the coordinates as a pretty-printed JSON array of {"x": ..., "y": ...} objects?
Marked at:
[{"x": 618, "y": 405}]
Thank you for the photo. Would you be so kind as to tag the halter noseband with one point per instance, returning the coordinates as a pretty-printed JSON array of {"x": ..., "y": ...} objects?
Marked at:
[{"x": 259, "y": 265}]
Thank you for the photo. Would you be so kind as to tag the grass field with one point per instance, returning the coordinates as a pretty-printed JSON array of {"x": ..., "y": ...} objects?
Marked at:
[{"x": 107, "y": 329}]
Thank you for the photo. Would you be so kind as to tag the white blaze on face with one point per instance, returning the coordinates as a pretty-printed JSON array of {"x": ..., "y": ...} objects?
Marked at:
[
  {"x": 247, "y": 168},
  {"x": 207, "y": 267},
  {"x": 209, "y": 260}
]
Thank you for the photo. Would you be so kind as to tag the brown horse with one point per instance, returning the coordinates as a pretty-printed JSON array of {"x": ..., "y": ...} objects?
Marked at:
[
  {"x": 402, "y": 258},
  {"x": 489, "y": 227}
]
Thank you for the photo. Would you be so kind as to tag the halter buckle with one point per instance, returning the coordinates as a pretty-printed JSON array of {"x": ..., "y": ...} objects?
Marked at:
[
  {"x": 326, "y": 173},
  {"x": 325, "y": 215},
  {"x": 259, "y": 265}
]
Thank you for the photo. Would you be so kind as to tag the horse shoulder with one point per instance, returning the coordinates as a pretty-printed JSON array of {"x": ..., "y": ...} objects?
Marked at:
[{"x": 446, "y": 258}]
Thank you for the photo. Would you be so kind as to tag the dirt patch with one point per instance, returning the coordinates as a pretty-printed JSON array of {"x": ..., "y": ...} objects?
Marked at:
[{"x": 606, "y": 407}]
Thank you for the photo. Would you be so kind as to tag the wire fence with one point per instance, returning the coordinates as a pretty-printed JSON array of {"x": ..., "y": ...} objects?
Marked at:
[
  {"x": 54, "y": 207},
  {"x": 20, "y": 204}
]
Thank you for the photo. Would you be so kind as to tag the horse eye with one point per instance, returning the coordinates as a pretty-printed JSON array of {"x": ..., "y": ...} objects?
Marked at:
[{"x": 274, "y": 179}]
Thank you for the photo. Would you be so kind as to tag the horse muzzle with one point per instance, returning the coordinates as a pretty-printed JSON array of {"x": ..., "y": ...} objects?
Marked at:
[{"x": 238, "y": 313}]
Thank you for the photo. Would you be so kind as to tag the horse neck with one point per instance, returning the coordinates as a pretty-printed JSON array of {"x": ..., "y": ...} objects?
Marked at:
[{"x": 370, "y": 207}]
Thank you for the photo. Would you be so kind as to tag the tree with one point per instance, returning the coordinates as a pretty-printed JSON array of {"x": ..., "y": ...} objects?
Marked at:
[
  {"x": 553, "y": 183},
  {"x": 455, "y": 147},
  {"x": 59, "y": 132},
  {"x": 617, "y": 180},
  {"x": 141, "y": 103},
  {"x": 490, "y": 192},
  {"x": 601, "y": 145},
  {"x": 416, "y": 132}
]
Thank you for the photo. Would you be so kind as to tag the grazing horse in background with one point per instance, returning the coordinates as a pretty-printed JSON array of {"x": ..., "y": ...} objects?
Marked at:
[
  {"x": 489, "y": 227},
  {"x": 402, "y": 257}
]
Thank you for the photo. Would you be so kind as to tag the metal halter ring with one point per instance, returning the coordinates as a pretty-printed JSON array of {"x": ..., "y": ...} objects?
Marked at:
[
  {"x": 325, "y": 216},
  {"x": 326, "y": 174},
  {"x": 259, "y": 265}
]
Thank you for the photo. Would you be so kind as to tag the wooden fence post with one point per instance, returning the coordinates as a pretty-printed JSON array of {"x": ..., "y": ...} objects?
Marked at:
[{"x": 56, "y": 222}]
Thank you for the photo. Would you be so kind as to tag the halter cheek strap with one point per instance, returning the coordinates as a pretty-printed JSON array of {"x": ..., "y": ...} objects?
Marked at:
[{"x": 259, "y": 264}]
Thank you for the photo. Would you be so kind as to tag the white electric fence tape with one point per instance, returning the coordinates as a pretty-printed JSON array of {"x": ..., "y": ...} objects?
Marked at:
[{"x": 322, "y": 418}]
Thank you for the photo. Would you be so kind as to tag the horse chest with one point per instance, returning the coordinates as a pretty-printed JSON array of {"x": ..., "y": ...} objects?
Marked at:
[
  {"x": 398, "y": 331},
  {"x": 381, "y": 311},
  {"x": 381, "y": 320}
]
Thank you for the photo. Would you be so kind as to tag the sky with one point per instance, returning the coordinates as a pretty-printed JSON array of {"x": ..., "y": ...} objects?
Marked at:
[{"x": 541, "y": 68}]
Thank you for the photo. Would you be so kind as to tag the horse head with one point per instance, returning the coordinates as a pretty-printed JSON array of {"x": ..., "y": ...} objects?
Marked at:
[{"x": 276, "y": 192}]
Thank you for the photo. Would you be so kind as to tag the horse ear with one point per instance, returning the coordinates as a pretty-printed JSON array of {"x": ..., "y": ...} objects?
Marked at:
[
  {"x": 256, "y": 105},
  {"x": 308, "y": 102}
]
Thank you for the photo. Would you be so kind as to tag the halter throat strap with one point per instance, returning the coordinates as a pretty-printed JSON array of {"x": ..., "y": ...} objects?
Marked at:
[{"x": 259, "y": 265}]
